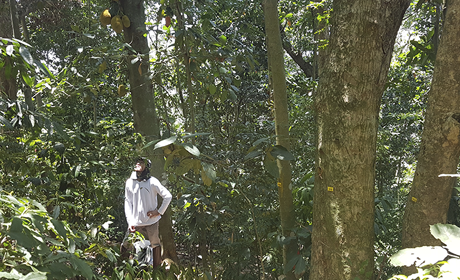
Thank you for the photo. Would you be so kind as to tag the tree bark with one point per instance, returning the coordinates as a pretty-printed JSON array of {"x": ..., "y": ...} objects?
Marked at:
[
  {"x": 278, "y": 84},
  {"x": 8, "y": 84},
  {"x": 17, "y": 35},
  {"x": 181, "y": 46},
  {"x": 428, "y": 200},
  {"x": 145, "y": 117},
  {"x": 351, "y": 83}
]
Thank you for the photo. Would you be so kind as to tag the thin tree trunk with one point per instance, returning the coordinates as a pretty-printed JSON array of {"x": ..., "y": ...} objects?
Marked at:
[
  {"x": 145, "y": 117},
  {"x": 428, "y": 200},
  {"x": 17, "y": 35},
  {"x": 351, "y": 82},
  {"x": 8, "y": 84},
  {"x": 181, "y": 46},
  {"x": 278, "y": 81}
]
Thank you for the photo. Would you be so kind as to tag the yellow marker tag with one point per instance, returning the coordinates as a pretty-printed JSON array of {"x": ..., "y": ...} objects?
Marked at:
[
  {"x": 330, "y": 189},
  {"x": 279, "y": 184},
  {"x": 414, "y": 199}
]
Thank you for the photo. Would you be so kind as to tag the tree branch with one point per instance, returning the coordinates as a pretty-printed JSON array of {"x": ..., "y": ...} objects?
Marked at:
[{"x": 306, "y": 67}]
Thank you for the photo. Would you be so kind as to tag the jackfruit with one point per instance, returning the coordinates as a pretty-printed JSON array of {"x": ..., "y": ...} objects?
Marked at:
[
  {"x": 117, "y": 24},
  {"x": 105, "y": 17},
  {"x": 122, "y": 90},
  {"x": 126, "y": 21}
]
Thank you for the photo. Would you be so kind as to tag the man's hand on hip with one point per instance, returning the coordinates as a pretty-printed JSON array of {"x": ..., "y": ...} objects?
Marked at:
[{"x": 153, "y": 213}]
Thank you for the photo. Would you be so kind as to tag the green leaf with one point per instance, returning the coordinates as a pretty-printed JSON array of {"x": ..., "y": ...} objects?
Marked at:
[
  {"x": 6, "y": 122},
  {"x": 232, "y": 95},
  {"x": 56, "y": 211},
  {"x": 418, "y": 256},
  {"x": 36, "y": 275},
  {"x": 165, "y": 142},
  {"x": 300, "y": 266},
  {"x": 224, "y": 95},
  {"x": 54, "y": 241},
  {"x": 39, "y": 206},
  {"x": 209, "y": 170},
  {"x": 14, "y": 41},
  {"x": 77, "y": 170},
  {"x": 271, "y": 167},
  {"x": 192, "y": 149},
  {"x": 234, "y": 88},
  {"x": 130, "y": 48},
  {"x": 26, "y": 55},
  {"x": 110, "y": 255},
  {"x": 91, "y": 36},
  {"x": 449, "y": 235},
  {"x": 22, "y": 234},
  {"x": 281, "y": 153},
  {"x": 212, "y": 89},
  {"x": 44, "y": 69},
  {"x": 28, "y": 80},
  {"x": 184, "y": 166},
  {"x": 16, "y": 225},
  {"x": 35, "y": 181},
  {"x": 82, "y": 267},
  {"x": 6, "y": 275},
  {"x": 150, "y": 143},
  {"x": 292, "y": 262},
  {"x": 60, "y": 130},
  {"x": 38, "y": 221},
  {"x": 261, "y": 140},
  {"x": 71, "y": 246},
  {"x": 253, "y": 154},
  {"x": 59, "y": 227}
]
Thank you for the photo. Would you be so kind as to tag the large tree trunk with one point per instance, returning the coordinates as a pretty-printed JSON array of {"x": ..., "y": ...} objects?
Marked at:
[
  {"x": 428, "y": 200},
  {"x": 145, "y": 118},
  {"x": 351, "y": 84},
  {"x": 278, "y": 85}
]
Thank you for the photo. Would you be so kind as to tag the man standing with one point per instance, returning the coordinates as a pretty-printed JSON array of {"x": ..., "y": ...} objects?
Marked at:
[{"x": 141, "y": 205}]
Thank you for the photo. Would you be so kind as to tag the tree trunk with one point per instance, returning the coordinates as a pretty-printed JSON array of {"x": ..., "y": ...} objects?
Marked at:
[
  {"x": 351, "y": 84},
  {"x": 278, "y": 84},
  {"x": 428, "y": 200},
  {"x": 145, "y": 118},
  {"x": 181, "y": 46},
  {"x": 17, "y": 35},
  {"x": 8, "y": 84}
]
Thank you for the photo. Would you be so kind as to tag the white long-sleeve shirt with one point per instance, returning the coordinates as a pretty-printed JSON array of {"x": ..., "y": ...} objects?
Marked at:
[{"x": 141, "y": 197}]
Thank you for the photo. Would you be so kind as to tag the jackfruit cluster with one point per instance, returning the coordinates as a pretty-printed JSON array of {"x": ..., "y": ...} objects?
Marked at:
[{"x": 114, "y": 17}]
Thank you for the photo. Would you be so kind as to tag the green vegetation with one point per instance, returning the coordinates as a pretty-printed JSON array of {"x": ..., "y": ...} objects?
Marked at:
[{"x": 69, "y": 135}]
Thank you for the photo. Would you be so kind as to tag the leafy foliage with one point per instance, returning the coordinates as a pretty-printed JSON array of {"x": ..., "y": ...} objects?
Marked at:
[
  {"x": 434, "y": 262},
  {"x": 34, "y": 244}
]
